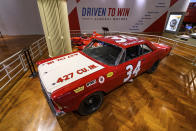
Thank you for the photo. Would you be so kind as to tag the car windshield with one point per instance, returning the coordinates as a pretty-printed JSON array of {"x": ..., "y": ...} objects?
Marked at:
[{"x": 104, "y": 52}]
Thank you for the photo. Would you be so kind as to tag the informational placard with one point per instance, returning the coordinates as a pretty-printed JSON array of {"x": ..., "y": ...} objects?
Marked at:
[{"x": 173, "y": 22}]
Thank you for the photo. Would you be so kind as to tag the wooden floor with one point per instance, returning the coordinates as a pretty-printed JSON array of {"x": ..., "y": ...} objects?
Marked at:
[
  {"x": 12, "y": 44},
  {"x": 163, "y": 101}
]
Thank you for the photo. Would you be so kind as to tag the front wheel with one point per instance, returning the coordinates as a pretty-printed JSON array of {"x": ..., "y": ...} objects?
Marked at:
[{"x": 91, "y": 103}]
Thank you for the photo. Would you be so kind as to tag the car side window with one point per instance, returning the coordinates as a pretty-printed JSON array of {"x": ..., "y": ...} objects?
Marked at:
[
  {"x": 145, "y": 49},
  {"x": 132, "y": 52}
]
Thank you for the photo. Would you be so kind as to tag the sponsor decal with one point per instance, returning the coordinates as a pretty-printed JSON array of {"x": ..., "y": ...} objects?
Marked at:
[
  {"x": 79, "y": 72},
  {"x": 101, "y": 79},
  {"x": 91, "y": 83},
  {"x": 79, "y": 89},
  {"x": 110, "y": 74}
]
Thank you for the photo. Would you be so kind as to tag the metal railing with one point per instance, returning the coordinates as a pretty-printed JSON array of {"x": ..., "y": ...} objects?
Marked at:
[
  {"x": 190, "y": 83},
  {"x": 16, "y": 65}
]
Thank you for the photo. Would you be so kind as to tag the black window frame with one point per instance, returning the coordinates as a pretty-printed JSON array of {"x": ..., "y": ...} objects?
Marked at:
[
  {"x": 141, "y": 53},
  {"x": 123, "y": 55}
]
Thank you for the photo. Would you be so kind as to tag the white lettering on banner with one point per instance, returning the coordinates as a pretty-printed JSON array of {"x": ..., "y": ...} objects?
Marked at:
[{"x": 130, "y": 71}]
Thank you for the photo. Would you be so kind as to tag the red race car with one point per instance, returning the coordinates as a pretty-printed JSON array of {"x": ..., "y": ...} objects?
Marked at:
[
  {"x": 81, "y": 42},
  {"x": 79, "y": 81}
]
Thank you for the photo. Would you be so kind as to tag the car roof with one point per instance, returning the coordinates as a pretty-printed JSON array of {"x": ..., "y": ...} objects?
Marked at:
[{"x": 122, "y": 41}]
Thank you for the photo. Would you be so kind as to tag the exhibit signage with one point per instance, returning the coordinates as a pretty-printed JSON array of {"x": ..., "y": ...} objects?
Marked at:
[
  {"x": 173, "y": 22},
  {"x": 121, "y": 15}
]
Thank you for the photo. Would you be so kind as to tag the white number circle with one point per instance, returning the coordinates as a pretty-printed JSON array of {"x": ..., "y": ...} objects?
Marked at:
[
  {"x": 117, "y": 39},
  {"x": 101, "y": 79}
]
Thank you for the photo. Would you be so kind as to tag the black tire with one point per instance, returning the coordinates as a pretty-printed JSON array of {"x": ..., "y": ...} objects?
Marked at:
[
  {"x": 91, "y": 104},
  {"x": 153, "y": 68}
]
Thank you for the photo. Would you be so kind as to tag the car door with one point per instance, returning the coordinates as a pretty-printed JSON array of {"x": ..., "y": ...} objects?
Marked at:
[
  {"x": 148, "y": 56},
  {"x": 131, "y": 66},
  {"x": 138, "y": 59},
  {"x": 113, "y": 74}
]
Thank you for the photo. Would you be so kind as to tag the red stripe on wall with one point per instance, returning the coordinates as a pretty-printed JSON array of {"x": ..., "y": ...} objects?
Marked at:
[
  {"x": 158, "y": 25},
  {"x": 77, "y": 1},
  {"x": 74, "y": 21},
  {"x": 172, "y": 2}
]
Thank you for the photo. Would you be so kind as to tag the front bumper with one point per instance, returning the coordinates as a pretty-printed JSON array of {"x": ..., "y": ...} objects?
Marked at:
[{"x": 50, "y": 103}]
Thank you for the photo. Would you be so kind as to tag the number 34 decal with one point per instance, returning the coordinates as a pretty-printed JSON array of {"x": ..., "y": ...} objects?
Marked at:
[{"x": 130, "y": 71}]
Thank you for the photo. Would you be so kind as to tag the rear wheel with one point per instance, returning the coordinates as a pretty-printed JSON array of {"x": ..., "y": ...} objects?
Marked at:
[
  {"x": 91, "y": 103},
  {"x": 154, "y": 67}
]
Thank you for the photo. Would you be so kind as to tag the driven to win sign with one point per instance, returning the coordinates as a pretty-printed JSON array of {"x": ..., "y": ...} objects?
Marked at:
[
  {"x": 105, "y": 11},
  {"x": 121, "y": 15}
]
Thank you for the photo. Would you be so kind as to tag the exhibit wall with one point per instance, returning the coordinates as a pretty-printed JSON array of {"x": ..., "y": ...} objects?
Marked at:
[
  {"x": 20, "y": 17},
  {"x": 122, "y": 15}
]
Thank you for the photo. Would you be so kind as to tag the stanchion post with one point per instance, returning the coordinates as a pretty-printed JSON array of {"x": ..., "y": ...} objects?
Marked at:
[
  {"x": 158, "y": 39},
  {"x": 173, "y": 47},
  {"x": 25, "y": 53},
  {"x": 31, "y": 61}
]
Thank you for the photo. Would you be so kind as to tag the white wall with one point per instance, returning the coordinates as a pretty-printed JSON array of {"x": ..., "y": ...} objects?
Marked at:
[{"x": 20, "y": 17}]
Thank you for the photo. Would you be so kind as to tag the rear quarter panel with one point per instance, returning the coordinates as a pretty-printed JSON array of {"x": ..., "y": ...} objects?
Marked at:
[{"x": 164, "y": 50}]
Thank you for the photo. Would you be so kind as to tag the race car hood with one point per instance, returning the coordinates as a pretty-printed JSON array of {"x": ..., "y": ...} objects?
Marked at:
[{"x": 65, "y": 70}]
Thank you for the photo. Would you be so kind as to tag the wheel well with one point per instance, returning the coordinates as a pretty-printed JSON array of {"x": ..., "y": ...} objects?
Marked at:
[
  {"x": 157, "y": 62},
  {"x": 84, "y": 96},
  {"x": 104, "y": 93}
]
